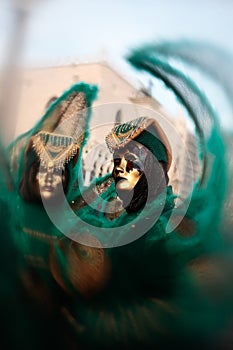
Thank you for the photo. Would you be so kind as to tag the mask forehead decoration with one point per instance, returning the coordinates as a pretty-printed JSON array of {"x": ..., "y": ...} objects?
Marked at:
[
  {"x": 121, "y": 134},
  {"x": 55, "y": 149},
  {"x": 145, "y": 131}
]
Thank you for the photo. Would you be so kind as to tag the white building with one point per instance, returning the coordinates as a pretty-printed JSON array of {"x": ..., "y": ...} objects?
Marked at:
[{"x": 118, "y": 101}]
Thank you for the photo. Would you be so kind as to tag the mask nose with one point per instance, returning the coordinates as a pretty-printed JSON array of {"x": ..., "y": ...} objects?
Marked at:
[
  {"x": 118, "y": 171},
  {"x": 49, "y": 176},
  {"x": 120, "y": 167}
]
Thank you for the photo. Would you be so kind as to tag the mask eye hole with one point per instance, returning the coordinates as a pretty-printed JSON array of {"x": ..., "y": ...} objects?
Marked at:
[
  {"x": 130, "y": 165},
  {"x": 117, "y": 161}
]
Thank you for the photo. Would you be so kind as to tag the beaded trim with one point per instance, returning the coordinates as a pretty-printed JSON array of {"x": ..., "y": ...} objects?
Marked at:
[
  {"x": 55, "y": 149},
  {"x": 122, "y": 133}
]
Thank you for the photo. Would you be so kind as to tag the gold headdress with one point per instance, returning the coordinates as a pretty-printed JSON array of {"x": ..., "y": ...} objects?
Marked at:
[
  {"x": 145, "y": 131},
  {"x": 55, "y": 148}
]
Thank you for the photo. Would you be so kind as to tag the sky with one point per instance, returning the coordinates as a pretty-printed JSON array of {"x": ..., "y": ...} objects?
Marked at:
[
  {"x": 65, "y": 31},
  {"x": 73, "y": 29}
]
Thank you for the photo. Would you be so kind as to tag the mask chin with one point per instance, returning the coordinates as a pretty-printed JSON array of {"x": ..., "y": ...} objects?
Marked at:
[
  {"x": 123, "y": 185},
  {"x": 46, "y": 195},
  {"x": 135, "y": 200},
  {"x": 53, "y": 198}
]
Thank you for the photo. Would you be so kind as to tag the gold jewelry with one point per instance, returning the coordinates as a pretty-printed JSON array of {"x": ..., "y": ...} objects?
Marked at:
[
  {"x": 123, "y": 133},
  {"x": 55, "y": 149}
]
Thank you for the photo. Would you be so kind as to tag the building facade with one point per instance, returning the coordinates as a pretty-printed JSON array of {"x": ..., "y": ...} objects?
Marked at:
[{"x": 118, "y": 101}]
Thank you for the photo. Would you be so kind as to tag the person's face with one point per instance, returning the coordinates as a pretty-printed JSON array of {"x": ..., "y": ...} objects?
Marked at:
[
  {"x": 128, "y": 167},
  {"x": 50, "y": 182}
]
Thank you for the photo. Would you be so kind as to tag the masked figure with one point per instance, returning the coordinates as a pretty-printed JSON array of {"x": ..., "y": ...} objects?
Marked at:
[
  {"x": 123, "y": 305},
  {"x": 147, "y": 274},
  {"x": 22, "y": 320},
  {"x": 52, "y": 146},
  {"x": 46, "y": 168},
  {"x": 131, "y": 281},
  {"x": 133, "y": 284},
  {"x": 142, "y": 157}
]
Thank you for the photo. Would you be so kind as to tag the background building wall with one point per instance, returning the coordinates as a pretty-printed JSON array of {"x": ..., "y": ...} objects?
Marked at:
[{"x": 118, "y": 101}]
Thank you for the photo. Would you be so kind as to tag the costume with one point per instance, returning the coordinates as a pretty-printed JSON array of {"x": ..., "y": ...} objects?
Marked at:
[
  {"x": 22, "y": 322},
  {"x": 53, "y": 147},
  {"x": 158, "y": 288},
  {"x": 123, "y": 289},
  {"x": 145, "y": 297}
]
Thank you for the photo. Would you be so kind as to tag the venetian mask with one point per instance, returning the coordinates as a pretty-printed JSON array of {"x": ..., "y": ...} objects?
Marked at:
[
  {"x": 50, "y": 181},
  {"x": 128, "y": 166}
]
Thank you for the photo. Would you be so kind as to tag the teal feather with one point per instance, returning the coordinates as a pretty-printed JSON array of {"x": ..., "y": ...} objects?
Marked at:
[{"x": 151, "y": 292}]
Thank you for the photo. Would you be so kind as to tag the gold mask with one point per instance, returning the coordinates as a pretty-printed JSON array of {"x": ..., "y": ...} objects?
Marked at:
[{"x": 128, "y": 166}]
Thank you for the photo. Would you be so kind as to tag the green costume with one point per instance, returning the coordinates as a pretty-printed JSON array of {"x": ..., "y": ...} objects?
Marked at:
[
  {"x": 152, "y": 291},
  {"x": 159, "y": 288},
  {"x": 23, "y": 323},
  {"x": 56, "y": 143}
]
